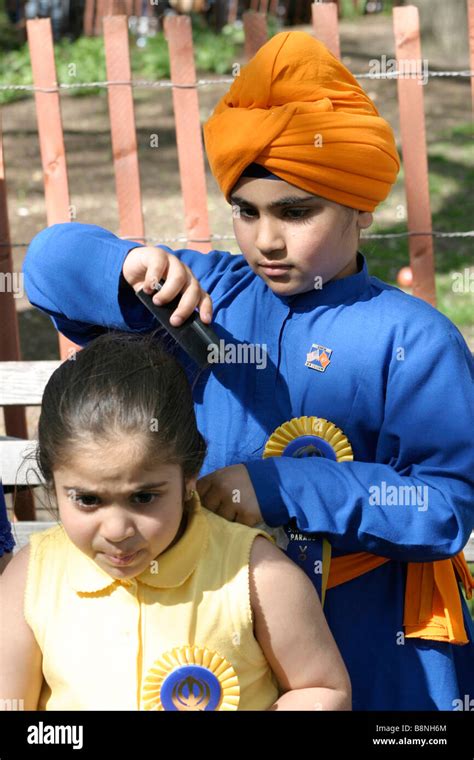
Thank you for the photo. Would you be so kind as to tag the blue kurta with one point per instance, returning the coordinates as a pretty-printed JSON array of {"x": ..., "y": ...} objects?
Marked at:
[
  {"x": 399, "y": 384},
  {"x": 6, "y": 538}
]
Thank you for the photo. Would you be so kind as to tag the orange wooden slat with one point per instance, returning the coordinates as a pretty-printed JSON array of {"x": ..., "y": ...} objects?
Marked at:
[
  {"x": 470, "y": 15},
  {"x": 50, "y": 131},
  {"x": 256, "y": 32},
  {"x": 178, "y": 35},
  {"x": 326, "y": 26},
  {"x": 415, "y": 160},
  {"x": 123, "y": 130},
  {"x": 101, "y": 7},
  {"x": 53, "y": 154},
  {"x": 89, "y": 13},
  {"x": 254, "y": 5},
  {"x": 233, "y": 8},
  {"x": 14, "y": 416}
]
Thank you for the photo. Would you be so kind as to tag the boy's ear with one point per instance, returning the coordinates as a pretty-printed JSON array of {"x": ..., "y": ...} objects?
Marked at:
[{"x": 365, "y": 219}]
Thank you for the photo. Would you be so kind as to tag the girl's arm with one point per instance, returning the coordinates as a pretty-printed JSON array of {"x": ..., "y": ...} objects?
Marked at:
[
  {"x": 4, "y": 560},
  {"x": 291, "y": 629},
  {"x": 21, "y": 676}
]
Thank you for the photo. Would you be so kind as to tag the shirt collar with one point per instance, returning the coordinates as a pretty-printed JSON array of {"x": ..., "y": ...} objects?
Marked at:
[
  {"x": 172, "y": 569},
  {"x": 336, "y": 291}
]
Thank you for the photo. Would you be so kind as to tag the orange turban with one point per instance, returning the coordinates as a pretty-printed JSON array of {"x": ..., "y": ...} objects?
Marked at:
[{"x": 297, "y": 111}]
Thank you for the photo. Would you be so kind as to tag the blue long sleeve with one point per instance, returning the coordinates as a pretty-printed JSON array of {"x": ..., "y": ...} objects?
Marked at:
[
  {"x": 399, "y": 383},
  {"x": 7, "y": 541},
  {"x": 415, "y": 501},
  {"x": 73, "y": 272}
]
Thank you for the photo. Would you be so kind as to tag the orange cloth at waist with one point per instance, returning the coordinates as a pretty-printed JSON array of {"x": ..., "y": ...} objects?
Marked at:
[{"x": 432, "y": 601}]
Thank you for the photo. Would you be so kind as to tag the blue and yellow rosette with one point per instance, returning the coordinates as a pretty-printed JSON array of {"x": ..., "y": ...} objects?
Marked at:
[
  {"x": 191, "y": 679},
  {"x": 307, "y": 437},
  {"x": 299, "y": 438}
]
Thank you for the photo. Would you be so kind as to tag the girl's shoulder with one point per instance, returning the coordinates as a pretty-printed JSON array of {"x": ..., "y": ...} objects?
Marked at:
[
  {"x": 15, "y": 577},
  {"x": 227, "y": 532},
  {"x": 13, "y": 583}
]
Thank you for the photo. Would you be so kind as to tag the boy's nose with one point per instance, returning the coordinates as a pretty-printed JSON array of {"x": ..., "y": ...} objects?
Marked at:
[{"x": 269, "y": 237}]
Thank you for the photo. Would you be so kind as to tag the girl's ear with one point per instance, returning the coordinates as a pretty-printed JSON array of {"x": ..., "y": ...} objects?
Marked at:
[
  {"x": 190, "y": 485},
  {"x": 365, "y": 219}
]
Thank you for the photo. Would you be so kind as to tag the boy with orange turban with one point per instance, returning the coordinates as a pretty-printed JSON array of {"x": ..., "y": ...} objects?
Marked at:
[{"x": 356, "y": 425}]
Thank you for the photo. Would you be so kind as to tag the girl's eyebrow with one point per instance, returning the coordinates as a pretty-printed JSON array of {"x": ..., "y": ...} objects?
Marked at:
[
  {"x": 290, "y": 200},
  {"x": 140, "y": 487}
]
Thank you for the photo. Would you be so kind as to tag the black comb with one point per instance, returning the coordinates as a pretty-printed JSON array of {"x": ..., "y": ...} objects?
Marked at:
[{"x": 192, "y": 335}]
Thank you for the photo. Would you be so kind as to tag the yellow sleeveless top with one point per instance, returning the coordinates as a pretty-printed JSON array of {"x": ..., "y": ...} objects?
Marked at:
[{"x": 100, "y": 637}]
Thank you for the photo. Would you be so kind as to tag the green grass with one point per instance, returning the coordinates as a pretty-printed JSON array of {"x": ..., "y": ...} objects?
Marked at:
[
  {"x": 83, "y": 60},
  {"x": 451, "y": 175},
  {"x": 451, "y": 155}
]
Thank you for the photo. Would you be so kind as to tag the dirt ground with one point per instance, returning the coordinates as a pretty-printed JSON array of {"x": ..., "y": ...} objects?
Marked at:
[{"x": 89, "y": 157}]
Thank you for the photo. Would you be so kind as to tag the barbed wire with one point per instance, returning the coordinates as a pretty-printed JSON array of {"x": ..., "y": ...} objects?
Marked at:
[
  {"x": 184, "y": 239},
  {"x": 150, "y": 84}
]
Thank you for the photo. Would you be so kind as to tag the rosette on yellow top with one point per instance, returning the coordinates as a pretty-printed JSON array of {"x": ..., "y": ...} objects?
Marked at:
[{"x": 191, "y": 679}]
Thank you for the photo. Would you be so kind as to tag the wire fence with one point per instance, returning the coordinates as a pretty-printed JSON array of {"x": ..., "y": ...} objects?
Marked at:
[
  {"x": 150, "y": 84},
  {"x": 147, "y": 84}
]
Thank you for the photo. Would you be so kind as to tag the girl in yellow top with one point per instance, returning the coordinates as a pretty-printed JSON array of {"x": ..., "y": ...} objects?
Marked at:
[{"x": 141, "y": 598}]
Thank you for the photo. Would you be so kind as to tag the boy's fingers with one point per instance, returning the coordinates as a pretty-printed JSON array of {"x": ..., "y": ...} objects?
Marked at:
[
  {"x": 177, "y": 277},
  {"x": 158, "y": 264},
  {"x": 188, "y": 302},
  {"x": 205, "y": 307}
]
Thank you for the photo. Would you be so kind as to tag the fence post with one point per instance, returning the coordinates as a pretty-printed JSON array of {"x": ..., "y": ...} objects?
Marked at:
[
  {"x": 89, "y": 24},
  {"x": 470, "y": 17},
  {"x": 415, "y": 159},
  {"x": 326, "y": 26},
  {"x": 15, "y": 417},
  {"x": 192, "y": 173},
  {"x": 50, "y": 131},
  {"x": 256, "y": 32},
  {"x": 122, "y": 126}
]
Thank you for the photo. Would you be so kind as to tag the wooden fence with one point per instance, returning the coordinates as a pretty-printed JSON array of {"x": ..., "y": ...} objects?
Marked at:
[{"x": 190, "y": 149}]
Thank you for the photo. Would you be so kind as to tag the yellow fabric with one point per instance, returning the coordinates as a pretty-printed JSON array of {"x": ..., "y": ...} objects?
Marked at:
[
  {"x": 298, "y": 111},
  {"x": 432, "y": 600},
  {"x": 100, "y": 636}
]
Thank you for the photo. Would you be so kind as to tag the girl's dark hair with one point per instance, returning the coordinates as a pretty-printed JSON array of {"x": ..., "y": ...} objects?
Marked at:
[{"x": 119, "y": 385}]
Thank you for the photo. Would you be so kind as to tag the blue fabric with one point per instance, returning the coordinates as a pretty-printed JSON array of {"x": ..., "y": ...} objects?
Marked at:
[
  {"x": 399, "y": 384},
  {"x": 7, "y": 541}
]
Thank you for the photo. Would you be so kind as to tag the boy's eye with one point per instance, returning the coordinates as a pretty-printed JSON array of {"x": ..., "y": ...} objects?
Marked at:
[
  {"x": 240, "y": 211},
  {"x": 293, "y": 214},
  {"x": 297, "y": 213}
]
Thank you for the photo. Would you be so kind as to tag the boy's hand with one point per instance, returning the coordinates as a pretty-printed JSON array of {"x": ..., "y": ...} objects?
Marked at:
[
  {"x": 144, "y": 267},
  {"x": 229, "y": 493}
]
